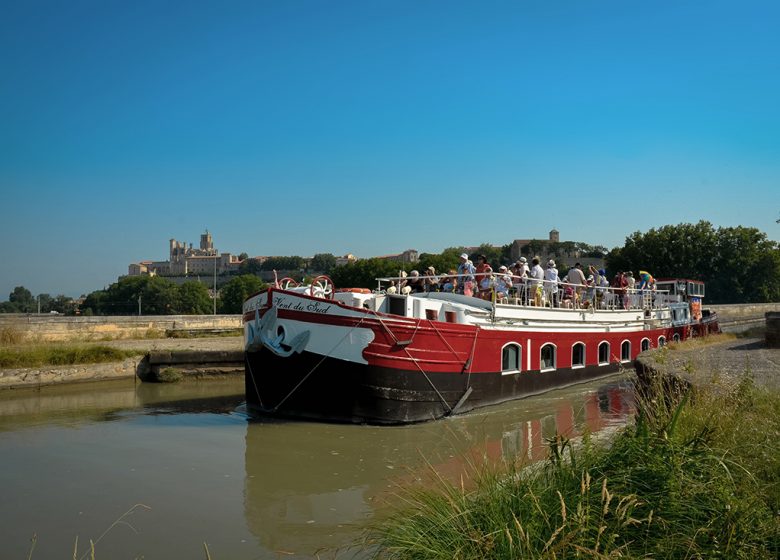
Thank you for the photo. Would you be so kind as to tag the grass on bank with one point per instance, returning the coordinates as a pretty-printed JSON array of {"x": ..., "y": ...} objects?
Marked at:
[
  {"x": 61, "y": 355},
  {"x": 696, "y": 476}
]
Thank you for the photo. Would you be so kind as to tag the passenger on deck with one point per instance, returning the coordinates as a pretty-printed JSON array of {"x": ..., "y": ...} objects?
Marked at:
[
  {"x": 633, "y": 298},
  {"x": 519, "y": 279},
  {"x": 449, "y": 282},
  {"x": 415, "y": 282},
  {"x": 619, "y": 285},
  {"x": 431, "y": 281},
  {"x": 567, "y": 300},
  {"x": 484, "y": 276},
  {"x": 466, "y": 272},
  {"x": 551, "y": 284},
  {"x": 646, "y": 280},
  {"x": 535, "y": 279},
  {"x": 503, "y": 283},
  {"x": 400, "y": 284},
  {"x": 576, "y": 278}
]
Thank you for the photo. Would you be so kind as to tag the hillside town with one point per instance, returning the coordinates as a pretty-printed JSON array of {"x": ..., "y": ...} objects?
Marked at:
[{"x": 185, "y": 261}]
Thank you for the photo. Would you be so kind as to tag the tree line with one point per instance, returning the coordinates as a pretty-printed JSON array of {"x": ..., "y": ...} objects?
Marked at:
[
  {"x": 21, "y": 300},
  {"x": 738, "y": 265}
]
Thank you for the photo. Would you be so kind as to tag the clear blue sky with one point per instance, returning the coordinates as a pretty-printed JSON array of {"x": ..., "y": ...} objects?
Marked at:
[{"x": 370, "y": 127}]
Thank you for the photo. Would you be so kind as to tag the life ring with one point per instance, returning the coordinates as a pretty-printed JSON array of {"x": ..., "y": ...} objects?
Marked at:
[{"x": 354, "y": 290}]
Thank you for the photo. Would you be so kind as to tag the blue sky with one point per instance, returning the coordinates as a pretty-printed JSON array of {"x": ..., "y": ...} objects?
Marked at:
[{"x": 370, "y": 127}]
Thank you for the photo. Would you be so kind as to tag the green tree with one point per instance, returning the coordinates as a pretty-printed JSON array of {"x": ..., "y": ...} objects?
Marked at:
[
  {"x": 194, "y": 299},
  {"x": 323, "y": 262},
  {"x": 738, "y": 265},
  {"x": 22, "y": 301},
  {"x": 363, "y": 273},
  {"x": 63, "y": 304},
  {"x": 159, "y": 296},
  {"x": 232, "y": 295},
  {"x": 283, "y": 263},
  {"x": 250, "y": 266}
]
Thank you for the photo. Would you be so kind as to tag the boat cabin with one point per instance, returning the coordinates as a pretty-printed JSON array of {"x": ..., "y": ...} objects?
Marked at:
[{"x": 689, "y": 291}]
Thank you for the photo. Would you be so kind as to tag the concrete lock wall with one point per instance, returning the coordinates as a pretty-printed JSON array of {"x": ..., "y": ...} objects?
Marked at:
[{"x": 52, "y": 328}]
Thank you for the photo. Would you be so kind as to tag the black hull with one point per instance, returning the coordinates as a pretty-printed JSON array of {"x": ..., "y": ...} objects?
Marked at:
[{"x": 306, "y": 386}]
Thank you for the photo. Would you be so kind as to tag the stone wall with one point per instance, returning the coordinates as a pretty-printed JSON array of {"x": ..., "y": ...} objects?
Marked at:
[
  {"x": 51, "y": 328},
  {"x": 52, "y": 375},
  {"x": 736, "y": 311}
]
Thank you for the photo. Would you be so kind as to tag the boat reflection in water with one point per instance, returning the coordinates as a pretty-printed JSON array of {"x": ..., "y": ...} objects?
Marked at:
[{"x": 311, "y": 487}]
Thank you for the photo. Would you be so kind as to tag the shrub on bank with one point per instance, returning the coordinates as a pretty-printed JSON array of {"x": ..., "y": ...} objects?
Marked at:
[{"x": 695, "y": 477}]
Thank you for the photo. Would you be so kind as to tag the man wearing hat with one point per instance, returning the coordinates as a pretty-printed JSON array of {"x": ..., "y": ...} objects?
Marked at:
[{"x": 466, "y": 272}]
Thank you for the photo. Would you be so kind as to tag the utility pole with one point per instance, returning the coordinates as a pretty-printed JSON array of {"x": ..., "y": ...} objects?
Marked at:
[
  {"x": 139, "y": 305},
  {"x": 215, "y": 283},
  {"x": 39, "y": 304}
]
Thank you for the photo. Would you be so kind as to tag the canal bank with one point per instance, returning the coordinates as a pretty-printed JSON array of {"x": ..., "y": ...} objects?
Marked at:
[{"x": 181, "y": 357}]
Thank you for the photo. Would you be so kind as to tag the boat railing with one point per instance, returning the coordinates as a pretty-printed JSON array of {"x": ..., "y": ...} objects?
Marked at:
[{"x": 505, "y": 289}]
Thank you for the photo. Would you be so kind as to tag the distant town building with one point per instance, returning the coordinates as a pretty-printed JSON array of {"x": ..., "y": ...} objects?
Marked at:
[
  {"x": 184, "y": 260},
  {"x": 565, "y": 253},
  {"x": 346, "y": 259},
  {"x": 408, "y": 256}
]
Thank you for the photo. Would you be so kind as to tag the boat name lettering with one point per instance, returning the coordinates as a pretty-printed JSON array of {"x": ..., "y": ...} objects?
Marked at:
[
  {"x": 315, "y": 307},
  {"x": 284, "y": 303}
]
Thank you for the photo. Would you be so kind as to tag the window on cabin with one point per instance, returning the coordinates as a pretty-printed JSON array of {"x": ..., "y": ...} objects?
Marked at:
[
  {"x": 510, "y": 358},
  {"x": 547, "y": 357},
  {"x": 625, "y": 351},
  {"x": 661, "y": 341},
  {"x": 645, "y": 344},
  {"x": 578, "y": 355},
  {"x": 603, "y": 353}
]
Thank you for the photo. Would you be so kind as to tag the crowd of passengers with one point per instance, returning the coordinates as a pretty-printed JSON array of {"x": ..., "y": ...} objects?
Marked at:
[{"x": 531, "y": 285}]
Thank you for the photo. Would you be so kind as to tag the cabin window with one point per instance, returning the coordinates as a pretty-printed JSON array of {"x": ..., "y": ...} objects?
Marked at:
[
  {"x": 547, "y": 357},
  {"x": 676, "y": 337},
  {"x": 511, "y": 356},
  {"x": 645, "y": 344},
  {"x": 578, "y": 355},
  {"x": 625, "y": 351},
  {"x": 603, "y": 353},
  {"x": 661, "y": 341}
]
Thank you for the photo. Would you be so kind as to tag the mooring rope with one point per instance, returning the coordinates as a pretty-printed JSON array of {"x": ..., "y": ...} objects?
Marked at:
[{"x": 414, "y": 361}]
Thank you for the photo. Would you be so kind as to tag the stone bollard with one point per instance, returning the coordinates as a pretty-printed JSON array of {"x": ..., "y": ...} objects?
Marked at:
[{"x": 773, "y": 329}]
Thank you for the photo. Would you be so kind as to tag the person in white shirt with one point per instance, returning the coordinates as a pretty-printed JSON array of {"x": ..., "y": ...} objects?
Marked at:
[
  {"x": 551, "y": 283},
  {"x": 536, "y": 277}
]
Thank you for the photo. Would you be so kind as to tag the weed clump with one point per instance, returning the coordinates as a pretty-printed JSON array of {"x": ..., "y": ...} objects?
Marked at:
[
  {"x": 168, "y": 375},
  {"x": 10, "y": 336}
]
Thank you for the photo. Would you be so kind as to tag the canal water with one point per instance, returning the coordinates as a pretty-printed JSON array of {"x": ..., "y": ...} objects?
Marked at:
[{"x": 190, "y": 468}]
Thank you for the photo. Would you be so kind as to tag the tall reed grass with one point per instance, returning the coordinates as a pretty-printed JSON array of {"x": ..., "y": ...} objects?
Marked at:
[{"x": 696, "y": 476}]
